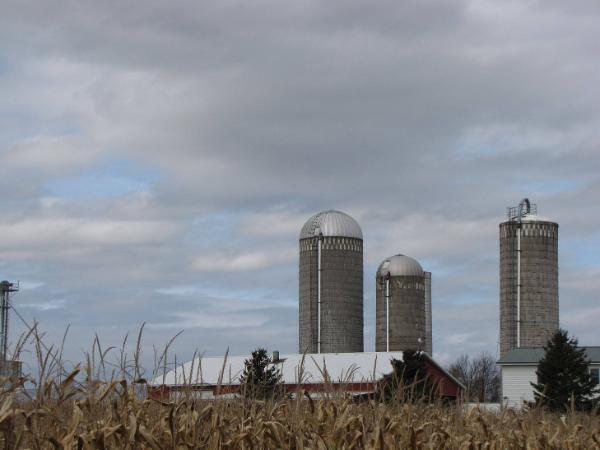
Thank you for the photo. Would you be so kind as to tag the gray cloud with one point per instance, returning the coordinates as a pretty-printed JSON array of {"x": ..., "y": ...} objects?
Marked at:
[{"x": 421, "y": 119}]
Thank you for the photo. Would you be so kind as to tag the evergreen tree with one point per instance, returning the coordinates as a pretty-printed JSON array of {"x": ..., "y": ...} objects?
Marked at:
[
  {"x": 409, "y": 379},
  {"x": 260, "y": 379},
  {"x": 563, "y": 377}
]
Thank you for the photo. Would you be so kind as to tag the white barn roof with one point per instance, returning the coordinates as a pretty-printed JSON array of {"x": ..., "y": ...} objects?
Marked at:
[{"x": 337, "y": 367}]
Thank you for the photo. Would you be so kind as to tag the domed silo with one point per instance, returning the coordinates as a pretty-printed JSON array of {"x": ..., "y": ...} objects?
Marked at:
[
  {"x": 400, "y": 307},
  {"x": 528, "y": 278},
  {"x": 331, "y": 284}
]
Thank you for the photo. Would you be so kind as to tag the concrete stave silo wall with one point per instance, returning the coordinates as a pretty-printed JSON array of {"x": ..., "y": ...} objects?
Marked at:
[
  {"x": 341, "y": 295},
  {"x": 407, "y": 313},
  {"x": 539, "y": 283}
]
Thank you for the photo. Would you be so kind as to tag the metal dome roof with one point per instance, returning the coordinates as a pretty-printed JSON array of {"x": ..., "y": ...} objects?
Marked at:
[
  {"x": 331, "y": 223},
  {"x": 400, "y": 265}
]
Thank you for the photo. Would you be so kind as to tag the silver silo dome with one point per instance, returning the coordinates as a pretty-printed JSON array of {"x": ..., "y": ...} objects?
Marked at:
[
  {"x": 333, "y": 224},
  {"x": 528, "y": 278},
  {"x": 400, "y": 266},
  {"x": 402, "y": 319},
  {"x": 331, "y": 284}
]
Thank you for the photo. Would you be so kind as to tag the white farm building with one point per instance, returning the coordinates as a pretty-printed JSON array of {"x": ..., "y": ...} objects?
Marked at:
[
  {"x": 518, "y": 372},
  {"x": 350, "y": 373}
]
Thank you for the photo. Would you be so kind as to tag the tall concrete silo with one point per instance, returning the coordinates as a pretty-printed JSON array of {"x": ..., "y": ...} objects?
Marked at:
[
  {"x": 400, "y": 306},
  {"x": 528, "y": 278},
  {"x": 331, "y": 284}
]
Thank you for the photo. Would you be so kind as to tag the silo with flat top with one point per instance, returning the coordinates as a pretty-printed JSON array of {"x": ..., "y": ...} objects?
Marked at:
[
  {"x": 528, "y": 278},
  {"x": 400, "y": 304},
  {"x": 331, "y": 284}
]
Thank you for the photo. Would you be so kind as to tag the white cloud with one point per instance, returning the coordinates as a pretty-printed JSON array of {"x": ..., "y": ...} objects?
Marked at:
[
  {"x": 281, "y": 223},
  {"x": 246, "y": 261},
  {"x": 443, "y": 358},
  {"x": 48, "y": 306},
  {"x": 191, "y": 320},
  {"x": 184, "y": 291},
  {"x": 51, "y": 155},
  {"x": 30, "y": 285},
  {"x": 458, "y": 339},
  {"x": 67, "y": 233},
  {"x": 430, "y": 235},
  {"x": 582, "y": 280},
  {"x": 582, "y": 317}
]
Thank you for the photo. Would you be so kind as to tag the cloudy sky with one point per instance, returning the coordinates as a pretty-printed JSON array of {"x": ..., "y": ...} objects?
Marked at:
[{"x": 159, "y": 160}]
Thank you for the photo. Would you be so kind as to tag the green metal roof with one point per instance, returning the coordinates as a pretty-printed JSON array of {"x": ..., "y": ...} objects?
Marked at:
[{"x": 532, "y": 355}]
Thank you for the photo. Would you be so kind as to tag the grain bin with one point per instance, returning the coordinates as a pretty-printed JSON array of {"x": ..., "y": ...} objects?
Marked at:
[
  {"x": 528, "y": 278},
  {"x": 331, "y": 284},
  {"x": 401, "y": 312}
]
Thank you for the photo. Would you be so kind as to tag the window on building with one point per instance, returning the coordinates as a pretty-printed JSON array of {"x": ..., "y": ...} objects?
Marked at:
[{"x": 595, "y": 373}]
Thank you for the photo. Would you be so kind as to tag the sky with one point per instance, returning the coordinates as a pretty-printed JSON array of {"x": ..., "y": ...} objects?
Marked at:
[{"x": 159, "y": 160}]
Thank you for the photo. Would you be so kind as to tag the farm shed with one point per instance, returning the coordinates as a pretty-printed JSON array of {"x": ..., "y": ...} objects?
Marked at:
[{"x": 352, "y": 373}]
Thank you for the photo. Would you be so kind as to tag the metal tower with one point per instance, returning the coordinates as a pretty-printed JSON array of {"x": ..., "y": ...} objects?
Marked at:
[{"x": 6, "y": 288}]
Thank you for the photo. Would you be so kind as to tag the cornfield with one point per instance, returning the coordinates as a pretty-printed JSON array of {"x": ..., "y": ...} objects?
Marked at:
[
  {"x": 111, "y": 415},
  {"x": 82, "y": 410}
]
